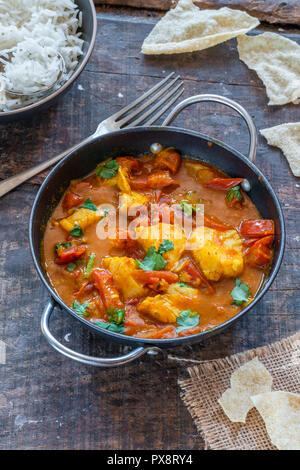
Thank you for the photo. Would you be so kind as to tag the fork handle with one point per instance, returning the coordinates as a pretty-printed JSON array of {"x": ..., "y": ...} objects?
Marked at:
[
  {"x": 14, "y": 181},
  {"x": 227, "y": 102}
]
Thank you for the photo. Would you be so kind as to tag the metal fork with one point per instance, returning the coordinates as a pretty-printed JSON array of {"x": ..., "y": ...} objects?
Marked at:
[{"x": 160, "y": 98}]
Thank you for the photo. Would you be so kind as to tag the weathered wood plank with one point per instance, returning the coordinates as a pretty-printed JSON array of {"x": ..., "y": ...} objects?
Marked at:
[
  {"x": 271, "y": 11},
  {"x": 45, "y": 397}
]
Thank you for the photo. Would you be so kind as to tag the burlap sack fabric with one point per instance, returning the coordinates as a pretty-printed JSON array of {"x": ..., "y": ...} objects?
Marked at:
[{"x": 211, "y": 378}]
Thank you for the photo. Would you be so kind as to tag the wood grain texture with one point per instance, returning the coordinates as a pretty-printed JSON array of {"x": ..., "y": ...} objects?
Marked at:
[
  {"x": 271, "y": 11},
  {"x": 50, "y": 402}
]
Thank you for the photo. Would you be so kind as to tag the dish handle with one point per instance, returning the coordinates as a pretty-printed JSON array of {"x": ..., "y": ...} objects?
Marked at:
[
  {"x": 84, "y": 359},
  {"x": 227, "y": 102}
]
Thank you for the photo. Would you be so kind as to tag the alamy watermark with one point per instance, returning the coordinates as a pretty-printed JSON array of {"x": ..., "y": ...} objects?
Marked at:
[{"x": 159, "y": 221}]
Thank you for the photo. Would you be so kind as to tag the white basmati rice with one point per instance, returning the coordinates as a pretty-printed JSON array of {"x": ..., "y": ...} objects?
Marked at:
[{"x": 34, "y": 32}]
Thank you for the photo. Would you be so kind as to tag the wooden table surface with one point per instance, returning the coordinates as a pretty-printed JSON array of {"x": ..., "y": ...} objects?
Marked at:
[{"x": 50, "y": 402}]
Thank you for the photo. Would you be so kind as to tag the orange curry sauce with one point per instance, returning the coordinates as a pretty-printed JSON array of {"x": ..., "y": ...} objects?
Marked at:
[{"x": 192, "y": 291}]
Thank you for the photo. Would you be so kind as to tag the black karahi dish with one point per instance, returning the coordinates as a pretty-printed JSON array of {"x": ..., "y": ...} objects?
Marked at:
[{"x": 135, "y": 141}]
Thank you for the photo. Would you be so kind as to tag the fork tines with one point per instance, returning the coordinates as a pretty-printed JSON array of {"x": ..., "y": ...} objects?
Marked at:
[{"x": 166, "y": 92}]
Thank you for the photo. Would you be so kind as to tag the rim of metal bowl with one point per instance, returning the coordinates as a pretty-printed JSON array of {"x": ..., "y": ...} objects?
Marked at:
[
  {"x": 73, "y": 77},
  {"x": 171, "y": 342}
]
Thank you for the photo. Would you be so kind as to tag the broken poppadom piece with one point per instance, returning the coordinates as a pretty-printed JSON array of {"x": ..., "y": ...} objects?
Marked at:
[
  {"x": 287, "y": 138},
  {"x": 281, "y": 414},
  {"x": 250, "y": 379},
  {"x": 186, "y": 28},
  {"x": 276, "y": 60}
]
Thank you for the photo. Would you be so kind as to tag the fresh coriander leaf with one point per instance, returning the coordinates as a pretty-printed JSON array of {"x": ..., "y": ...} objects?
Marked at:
[
  {"x": 80, "y": 309},
  {"x": 116, "y": 315},
  {"x": 71, "y": 267},
  {"x": 76, "y": 231},
  {"x": 234, "y": 193},
  {"x": 89, "y": 265},
  {"x": 111, "y": 326},
  {"x": 148, "y": 262},
  {"x": 240, "y": 293},
  {"x": 116, "y": 324},
  {"x": 186, "y": 320},
  {"x": 109, "y": 170},
  {"x": 165, "y": 246},
  {"x": 160, "y": 262},
  {"x": 152, "y": 262},
  {"x": 89, "y": 205},
  {"x": 115, "y": 328},
  {"x": 65, "y": 245}
]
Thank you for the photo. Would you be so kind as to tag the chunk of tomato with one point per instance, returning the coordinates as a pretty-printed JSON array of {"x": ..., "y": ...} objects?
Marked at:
[
  {"x": 257, "y": 228},
  {"x": 160, "y": 179},
  {"x": 71, "y": 200},
  {"x": 168, "y": 159},
  {"x": 260, "y": 253},
  {"x": 70, "y": 254},
  {"x": 129, "y": 163}
]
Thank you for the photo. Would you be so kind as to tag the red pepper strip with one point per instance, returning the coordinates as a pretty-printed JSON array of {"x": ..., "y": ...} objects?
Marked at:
[
  {"x": 260, "y": 254},
  {"x": 71, "y": 200},
  {"x": 195, "y": 274},
  {"x": 103, "y": 281},
  {"x": 160, "y": 179},
  {"x": 69, "y": 255},
  {"x": 223, "y": 183},
  {"x": 257, "y": 228},
  {"x": 85, "y": 288},
  {"x": 211, "y": 223},
  {"x": 149, "y": 276}
]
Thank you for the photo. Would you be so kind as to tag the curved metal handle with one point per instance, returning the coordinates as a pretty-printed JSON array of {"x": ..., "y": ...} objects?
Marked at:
[
  {"x": 227, "y": 102},
  {"x": 90, "y": 360}
]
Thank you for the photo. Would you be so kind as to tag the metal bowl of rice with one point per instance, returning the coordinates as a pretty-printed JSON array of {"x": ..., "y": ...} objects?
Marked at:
[{"x": 47, "y": 28}]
